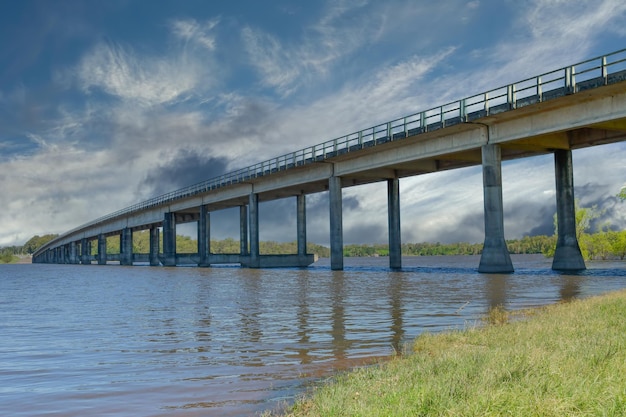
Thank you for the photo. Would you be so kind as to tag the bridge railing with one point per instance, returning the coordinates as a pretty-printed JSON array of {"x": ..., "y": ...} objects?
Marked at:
[{"x": 593, "y": 73}]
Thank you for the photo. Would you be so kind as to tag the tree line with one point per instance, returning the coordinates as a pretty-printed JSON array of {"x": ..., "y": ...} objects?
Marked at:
[{"x": 606, "y": 243}]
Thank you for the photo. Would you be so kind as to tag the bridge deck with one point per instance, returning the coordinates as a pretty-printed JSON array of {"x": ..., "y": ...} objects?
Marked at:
[{"x": 574, "y": 107}]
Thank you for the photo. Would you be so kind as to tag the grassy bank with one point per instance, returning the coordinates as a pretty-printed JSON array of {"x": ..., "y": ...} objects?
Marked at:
[{"x": 561, "y": 360}]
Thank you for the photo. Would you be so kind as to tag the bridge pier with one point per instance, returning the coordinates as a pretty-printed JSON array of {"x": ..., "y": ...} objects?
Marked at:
[
  {"x": 393, "y": 208},
  {"x": 85, "y": 251},
  {"x": 253, "y": 208},
  {"x": 204, "y": 236},
  {"x": 495, "y": 257},
  {"x": 336, "y": 223},
  {"x": 169, "y": 239},
  {"x": 154, "y": 246},
  {"x": 102, "y": 249},
  {"x": 126, "y": 246},
  {"x": 301, "y": 224},
  {"x": 567, "y": 256},
  {"x": 243, "y": 230}
]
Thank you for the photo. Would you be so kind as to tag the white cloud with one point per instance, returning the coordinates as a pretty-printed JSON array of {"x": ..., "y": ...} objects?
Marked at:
[
  {"x": 191, "y": 30},
  {"x": 342, "y": 29},
  {"x": 118, "y": 71}
]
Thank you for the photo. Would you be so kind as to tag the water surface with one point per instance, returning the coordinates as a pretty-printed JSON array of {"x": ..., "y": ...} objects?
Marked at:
[{"x": 80, "y": 340}]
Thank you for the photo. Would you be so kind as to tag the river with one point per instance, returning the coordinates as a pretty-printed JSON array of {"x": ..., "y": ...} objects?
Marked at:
[{"x": 80, "y": 340}]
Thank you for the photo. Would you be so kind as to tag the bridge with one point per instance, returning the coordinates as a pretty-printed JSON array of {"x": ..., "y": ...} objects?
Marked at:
[{"x": 570, "y": 108}]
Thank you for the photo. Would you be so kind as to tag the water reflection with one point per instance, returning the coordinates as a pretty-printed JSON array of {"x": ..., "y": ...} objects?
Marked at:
[
  {"x": 231, "y": 341},
  {"x": 395, "y": 291}
]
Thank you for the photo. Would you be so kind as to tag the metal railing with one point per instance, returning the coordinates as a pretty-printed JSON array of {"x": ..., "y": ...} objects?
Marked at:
[{"x": 592, "y": 73}]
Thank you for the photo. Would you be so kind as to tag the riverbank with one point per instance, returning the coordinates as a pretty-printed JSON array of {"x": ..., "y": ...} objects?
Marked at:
[{"x": 563, "y": 359}]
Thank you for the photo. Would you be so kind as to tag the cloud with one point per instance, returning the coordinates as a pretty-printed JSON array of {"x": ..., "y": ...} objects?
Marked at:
[
  {"x": 119, "y": 72},
  {"x": 341, "y": 30},
  {"x": 186, "y": 167},
  {"x": 192, "y": 31}
]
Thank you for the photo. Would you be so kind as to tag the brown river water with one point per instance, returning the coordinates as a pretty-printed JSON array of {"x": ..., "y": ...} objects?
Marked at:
[{"x": 81, "y": 340}]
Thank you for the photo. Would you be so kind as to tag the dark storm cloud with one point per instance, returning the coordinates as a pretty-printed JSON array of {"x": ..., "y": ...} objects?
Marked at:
[
  {"x": 186, "y": 168},
  {"x": 610, "y": 210}
]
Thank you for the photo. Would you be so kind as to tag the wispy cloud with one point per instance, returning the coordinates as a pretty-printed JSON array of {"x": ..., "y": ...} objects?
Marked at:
[
  {"x": 342, "y": 29},
  {"x": 119, "y": 72},
  {"x": 192, "y": 31}
]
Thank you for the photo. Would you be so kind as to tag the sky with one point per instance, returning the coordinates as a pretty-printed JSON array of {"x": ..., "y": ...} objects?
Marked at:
[{"x": 106, "y": 104}]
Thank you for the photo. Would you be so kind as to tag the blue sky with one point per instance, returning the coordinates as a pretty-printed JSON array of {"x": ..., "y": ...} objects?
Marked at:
[{"x": 105, "y": 104}]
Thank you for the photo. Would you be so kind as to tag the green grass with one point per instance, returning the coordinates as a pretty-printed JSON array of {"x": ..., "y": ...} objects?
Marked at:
[{"x": 561, "y": 360}]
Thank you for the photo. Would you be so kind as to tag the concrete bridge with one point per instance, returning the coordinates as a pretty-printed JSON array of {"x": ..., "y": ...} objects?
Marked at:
[{"x": 570, "y": 108}]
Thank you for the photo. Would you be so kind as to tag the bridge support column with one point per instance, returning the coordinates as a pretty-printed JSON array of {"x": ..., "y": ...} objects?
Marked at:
[
  {"x": 73, "y": 253},
  {"x": 102, "y": 249},
  {"x": 393, "y": 209},
  {"x": 301, "y": 224},
  {"x": 495, "y": 256},
  {"x": 336, "y": 223},
  {"x": 126, "y": 246},
  {"x": 253, "y": 208},
  {"x": 567, "y": 256},
  {"x": 243, "y": 230},
  {"x": 169, "y": 239},
  {"x": 85, "y": 251},
  {"x": 204, "y": 236},
  {"x": 154, "y": 246}
]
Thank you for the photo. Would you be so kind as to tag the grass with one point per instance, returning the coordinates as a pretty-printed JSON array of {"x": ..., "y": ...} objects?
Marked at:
[{"x": 561, "y": 360}]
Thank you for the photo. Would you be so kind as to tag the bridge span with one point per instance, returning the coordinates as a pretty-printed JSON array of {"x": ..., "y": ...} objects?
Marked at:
[{"x": 574, "y": 107}]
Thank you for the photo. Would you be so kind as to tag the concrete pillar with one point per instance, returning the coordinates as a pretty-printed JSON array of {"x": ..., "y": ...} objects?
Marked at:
[
  {"x": 393, "y": 209},
  {"x": 73, "y": 253},
  {"x": 336, "y": 223},
  {"x": 85, "y": 251},
  {"x": 126, "y": 246},
  {"x": 169, "y": 239},
  {"x": 253, "y": 213},
  {"x": 243, "y": 230},
  {"x": 567, "y": 256},
  {"x": 495, "y": 256},
  {"x": 204, "y": 236},
  {"x": 102, "y": 249},
  {"x": 154, "y": 246},
  {"x": 301, "y": 223}
]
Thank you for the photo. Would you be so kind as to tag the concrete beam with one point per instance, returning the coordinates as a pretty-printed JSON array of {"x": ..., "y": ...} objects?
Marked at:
[
  {"x": 102, "y": 249},
  {"x": 567, "y": 256},
  {"x": 126, "y": 247},
  {"x": 301, "y": 223},
  {"x": 204, "y": 236},
  {"x": 253, "y": 213},
  {"x": 154, "y": 246},
  {"x": 169, "y": 240},
  {"x": 495, "y": 257},
  {"x": 243, "y": 230},
  {"x": 393, "y": 214}
]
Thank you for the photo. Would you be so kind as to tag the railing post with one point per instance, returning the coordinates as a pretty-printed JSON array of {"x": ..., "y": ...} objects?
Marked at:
[
  {"x": 604, "y": 70},
  {"x": 462, "y": 111},
  {"x": 570, "y": 80},
  {"x": 510, "y": 95},
  {"x": 539, "y": 89},
  {"x": 486, "y": 100}
]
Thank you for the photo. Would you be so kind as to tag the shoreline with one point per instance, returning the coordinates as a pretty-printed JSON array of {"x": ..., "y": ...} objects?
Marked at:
[{"x": 540, "y": 361}]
